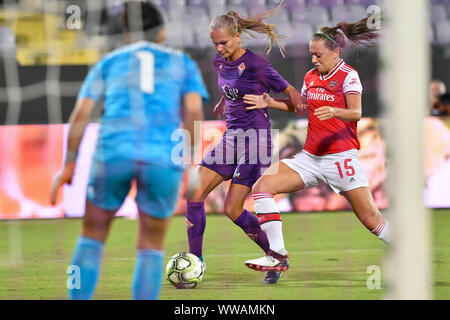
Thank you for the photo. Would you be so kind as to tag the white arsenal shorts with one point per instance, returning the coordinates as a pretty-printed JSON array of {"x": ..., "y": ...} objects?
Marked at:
[{"x": 341, "y": 171}]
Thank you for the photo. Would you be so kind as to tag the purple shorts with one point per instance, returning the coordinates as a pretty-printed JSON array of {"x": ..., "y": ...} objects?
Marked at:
[{"x": 242, "y": 156}]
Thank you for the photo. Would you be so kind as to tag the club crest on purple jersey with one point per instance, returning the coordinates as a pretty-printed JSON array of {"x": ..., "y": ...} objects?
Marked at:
[
  {"x": 250, "y": 74},
  {"x": 241, "y": 68}
]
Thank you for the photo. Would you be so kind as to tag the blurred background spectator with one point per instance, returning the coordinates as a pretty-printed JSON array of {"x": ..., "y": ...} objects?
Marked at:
[
  {"x": 437, "y": 88},
  {"x": 442, "y": 105}
]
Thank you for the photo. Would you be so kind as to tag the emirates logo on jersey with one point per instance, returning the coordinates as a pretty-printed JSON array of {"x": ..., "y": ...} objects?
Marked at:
[
  {"x": 321, "y": 95},
  {"x": 241, "y": 68}
]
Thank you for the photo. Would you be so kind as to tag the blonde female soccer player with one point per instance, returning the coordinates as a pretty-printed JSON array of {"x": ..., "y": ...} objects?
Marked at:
[{"x": 238, "y": 156}]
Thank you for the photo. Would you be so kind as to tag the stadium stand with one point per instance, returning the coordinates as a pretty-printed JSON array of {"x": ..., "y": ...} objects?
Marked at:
[
  {"x": 443, "y": 32},
  {"x": 438, "y": 13},
  {"x": 42, "y": 37},
  {"x": 347, "y": 12},
  {"x": 297, "y": 18},
  {"x": 7, "y": 42}
]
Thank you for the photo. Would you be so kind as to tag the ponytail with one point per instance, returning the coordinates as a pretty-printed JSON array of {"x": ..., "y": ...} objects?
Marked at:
[
  {"x": 346, "y": 34},
  {"x": 234, "y": 23}
]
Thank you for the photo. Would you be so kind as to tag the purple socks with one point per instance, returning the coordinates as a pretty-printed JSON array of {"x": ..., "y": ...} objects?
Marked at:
[
  {"x": 196, "y": 222},
  {"x": 195, "y": 225},
  {"x": 250, "y": 224}
]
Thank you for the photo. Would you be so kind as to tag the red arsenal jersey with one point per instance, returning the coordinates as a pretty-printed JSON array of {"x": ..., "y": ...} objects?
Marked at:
[{"x": 333, "y": 135}]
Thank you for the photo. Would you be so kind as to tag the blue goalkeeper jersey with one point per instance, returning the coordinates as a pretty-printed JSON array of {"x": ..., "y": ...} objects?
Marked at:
[{"x": 142, "y": 85}]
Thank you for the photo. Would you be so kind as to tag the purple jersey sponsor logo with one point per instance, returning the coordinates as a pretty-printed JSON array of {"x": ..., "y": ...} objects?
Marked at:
[{"x": 231, "y": 94}]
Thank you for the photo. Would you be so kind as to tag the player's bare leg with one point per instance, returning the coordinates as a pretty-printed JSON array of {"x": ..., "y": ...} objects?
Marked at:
[
  {"x": 234, "y": 202},
  {"x": 97, "y": 222},
  {"x": 365, "y": 208},
  {"x": 279, "y": 178},
  {"x": 151, "y": 232},
  {"x": 89, "y": 250},
  {"x": 208, "y": 181},
  {"x": 247, "y": 221}
]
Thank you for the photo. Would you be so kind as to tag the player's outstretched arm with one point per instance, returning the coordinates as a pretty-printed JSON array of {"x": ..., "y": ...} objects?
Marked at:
[
  {"x": 352, "y": 113},
  {"x": 293, "y": 104},
  {"x": 193, "y": 112},
  {"x": 219, "y": 109},
  {"x": 266, "y": 101},
  {"x": 78, "y": 122},
  {"x": 193, "y": 106}
]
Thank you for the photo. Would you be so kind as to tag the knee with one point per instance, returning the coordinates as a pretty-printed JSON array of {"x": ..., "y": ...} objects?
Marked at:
[
  {"x": 203, "y": 188},
  {"x": 96, "y": 223},
  {"x": 197, "y": 197},
  {"x": 199, "y": 194},
  {"x": 262, "y": 186},
  {"x": 370, "y": 218},
  {"x": 152, "y": 232},
  {"x": 233, "y": 211},
  {"x": 95, "y": 229}
]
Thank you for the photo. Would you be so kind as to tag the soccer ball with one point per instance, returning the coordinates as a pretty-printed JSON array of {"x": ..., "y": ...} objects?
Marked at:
[{"x": 184, "y": 270}]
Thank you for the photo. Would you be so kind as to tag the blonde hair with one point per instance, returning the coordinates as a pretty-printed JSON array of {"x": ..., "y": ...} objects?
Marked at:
[{"x": 234, "y": 23}]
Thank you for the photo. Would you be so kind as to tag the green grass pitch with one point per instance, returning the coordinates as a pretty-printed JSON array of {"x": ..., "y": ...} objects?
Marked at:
[{"x": 330, "y": 254}]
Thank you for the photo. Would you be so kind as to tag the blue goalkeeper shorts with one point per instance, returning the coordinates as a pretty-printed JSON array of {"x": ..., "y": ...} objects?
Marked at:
[{"x": 157, "y": 186}]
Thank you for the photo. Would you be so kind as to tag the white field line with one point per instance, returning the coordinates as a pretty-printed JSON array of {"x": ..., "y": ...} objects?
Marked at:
[{"x": 215, "y": 256}]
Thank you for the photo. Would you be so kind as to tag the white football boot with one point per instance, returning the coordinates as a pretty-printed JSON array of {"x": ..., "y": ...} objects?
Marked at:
[{"x": 271, "y": 262}]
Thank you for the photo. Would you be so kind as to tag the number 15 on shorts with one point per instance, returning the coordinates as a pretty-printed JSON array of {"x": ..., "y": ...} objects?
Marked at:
[{"x": 349, "y": 170}]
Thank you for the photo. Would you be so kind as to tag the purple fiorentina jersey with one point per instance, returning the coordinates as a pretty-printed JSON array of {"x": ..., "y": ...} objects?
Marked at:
[{"x": 250, "y": 74}]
